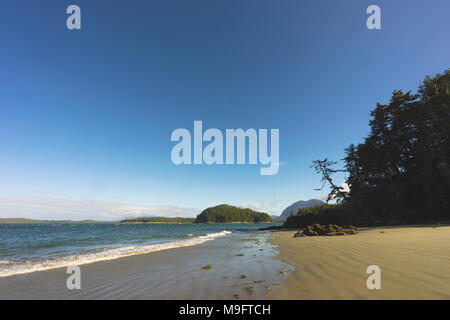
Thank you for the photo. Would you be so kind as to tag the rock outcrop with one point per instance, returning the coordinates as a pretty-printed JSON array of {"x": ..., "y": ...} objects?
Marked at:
[{"x": 325, "y": 230}]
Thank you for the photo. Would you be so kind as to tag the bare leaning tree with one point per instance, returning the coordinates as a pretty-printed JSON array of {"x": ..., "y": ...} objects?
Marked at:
[{"x": 325, "y": 168}]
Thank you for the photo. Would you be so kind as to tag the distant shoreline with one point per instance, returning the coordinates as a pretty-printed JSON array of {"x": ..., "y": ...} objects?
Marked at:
[
  {"x": 36, "y": 221},
  {"x": 122, "y": 222},
  {"x": 33, "y": 221}
]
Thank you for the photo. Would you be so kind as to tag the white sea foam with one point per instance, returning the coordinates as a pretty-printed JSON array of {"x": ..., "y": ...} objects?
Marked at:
[{"x": 9, "y": 268}]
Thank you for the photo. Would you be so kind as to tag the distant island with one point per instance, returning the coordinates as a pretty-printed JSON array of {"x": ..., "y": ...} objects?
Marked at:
[
  {"x": 159, "y": 220},
  {"x": 230, "y": 214}
]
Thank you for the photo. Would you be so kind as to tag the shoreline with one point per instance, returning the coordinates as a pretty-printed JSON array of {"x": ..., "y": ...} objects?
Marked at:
[
  {"x": 12, "y": 268},
  {"x": 240, "y": 267},
  {"x": 414, "y": 263}
]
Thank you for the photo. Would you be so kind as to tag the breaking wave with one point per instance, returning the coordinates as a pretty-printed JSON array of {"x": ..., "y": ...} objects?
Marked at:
[{"x": 10, "y": 267}]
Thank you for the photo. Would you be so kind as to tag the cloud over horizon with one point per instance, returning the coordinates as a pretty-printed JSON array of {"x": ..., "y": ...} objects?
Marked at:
[
  {"x": 47, "y": 208},
  {"x": 272, "y": 207}
]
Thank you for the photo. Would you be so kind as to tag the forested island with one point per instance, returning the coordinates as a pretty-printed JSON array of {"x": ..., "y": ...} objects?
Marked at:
[
  {"x": 219, "y": 214},
  {"x": 400, "y": 173},
  {"x": 230, "y": 214},
  {"x": 159, "y": 220}
]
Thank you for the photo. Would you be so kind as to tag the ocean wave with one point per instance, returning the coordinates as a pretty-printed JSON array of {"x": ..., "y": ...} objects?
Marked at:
[{"x": 9, "y": 267}]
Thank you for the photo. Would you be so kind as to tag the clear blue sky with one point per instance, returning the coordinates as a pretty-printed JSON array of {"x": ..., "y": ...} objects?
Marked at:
[{"x": 88, "y": 114}]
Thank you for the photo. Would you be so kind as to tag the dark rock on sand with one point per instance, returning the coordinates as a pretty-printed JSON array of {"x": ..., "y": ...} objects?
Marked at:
[{"x": 326, "y": 230}]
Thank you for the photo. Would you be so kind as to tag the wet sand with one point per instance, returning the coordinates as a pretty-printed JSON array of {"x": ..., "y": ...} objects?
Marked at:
[
  {"x": 414, "y": 262},
  {"x": 241, "y": 267}
]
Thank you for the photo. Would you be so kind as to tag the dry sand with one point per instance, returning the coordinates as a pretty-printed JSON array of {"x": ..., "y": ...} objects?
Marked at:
[{"x": 414, "y": 262}]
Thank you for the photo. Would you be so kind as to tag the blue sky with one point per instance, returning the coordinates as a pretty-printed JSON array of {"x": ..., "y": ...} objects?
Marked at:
[{"x": 86, "y": 115}]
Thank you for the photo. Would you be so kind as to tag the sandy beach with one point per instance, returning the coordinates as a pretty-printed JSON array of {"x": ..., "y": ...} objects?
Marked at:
[{"x": 414, "y": 262}]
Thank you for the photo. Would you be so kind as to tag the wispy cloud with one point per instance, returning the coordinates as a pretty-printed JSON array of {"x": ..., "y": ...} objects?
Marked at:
[
  {"x": 65, "y": 209},
  {"x": 275, "y": 202},
  {"x": 272, "y": 207},
  {"x": 255, "y": 206}
]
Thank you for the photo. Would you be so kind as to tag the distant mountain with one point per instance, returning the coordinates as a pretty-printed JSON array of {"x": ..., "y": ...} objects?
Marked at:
[{"x": 293, "y": 208}]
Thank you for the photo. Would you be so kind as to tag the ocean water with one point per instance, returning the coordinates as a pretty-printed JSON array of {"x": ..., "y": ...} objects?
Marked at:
[{"x": 28, "y": 248}]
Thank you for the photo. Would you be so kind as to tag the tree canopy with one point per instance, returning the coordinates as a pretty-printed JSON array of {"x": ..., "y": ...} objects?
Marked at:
[
  {"x": 400, "y": 173},
  {"x": 230, "y": 214},
  {"x": 402, "y": 169}
]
